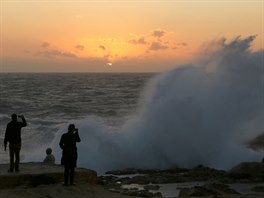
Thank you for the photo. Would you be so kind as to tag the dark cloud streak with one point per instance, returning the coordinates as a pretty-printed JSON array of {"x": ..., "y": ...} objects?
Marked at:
[
  {"x": 80, "y": 47},
  {"x": 155, "y": 46},
  {"x": 102, "y": 47},
  {"x": 140, "y": 41},
  {"x": 158, "y": 33},
  {"x": 56, "y": 53},
  {"x": 45, "y": 44}
]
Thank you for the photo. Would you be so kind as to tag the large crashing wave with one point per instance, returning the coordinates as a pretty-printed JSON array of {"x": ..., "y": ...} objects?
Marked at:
[{"x": 194, "y": 114}]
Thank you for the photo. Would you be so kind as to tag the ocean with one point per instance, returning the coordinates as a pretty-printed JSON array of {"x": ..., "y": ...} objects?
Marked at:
[{"x": 51, "y": 101}]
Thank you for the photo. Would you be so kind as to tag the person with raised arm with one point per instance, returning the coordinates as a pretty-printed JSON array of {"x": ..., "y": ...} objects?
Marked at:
[
  {"x": 69, "y": 153},
  {"x": 13, "y": 136}
]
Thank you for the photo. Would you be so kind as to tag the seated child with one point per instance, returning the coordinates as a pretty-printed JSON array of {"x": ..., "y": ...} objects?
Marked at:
[{"x": 50, "y": 159}]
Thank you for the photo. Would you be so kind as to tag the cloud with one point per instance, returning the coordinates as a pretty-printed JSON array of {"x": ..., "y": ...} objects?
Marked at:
[
  {"x": 179, "y": 45},
  {"x": 102, "y": 47},
  {"x": 80, "y": 47},
  {"x": 140, "y": 41},
  {"x": 158, "y": 33},
  {"x": 154, "y": 40},
  {"x": 45, "y": 44},
  {"x": 56, "y": 53},
  {"x": 145, "y": 39},
  {"x": 155, "y": 46},
  {"x": 68, "y": 54},
  {"x": 182, "y": 44}
]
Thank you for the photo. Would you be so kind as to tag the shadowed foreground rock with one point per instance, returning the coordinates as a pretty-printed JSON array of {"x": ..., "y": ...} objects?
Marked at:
[{"x": 34, "y": 174}]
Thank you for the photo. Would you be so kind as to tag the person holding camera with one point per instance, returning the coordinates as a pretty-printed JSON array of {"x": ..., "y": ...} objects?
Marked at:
[
  {"x": 69, "y": 153},
  {"x": 13, "y": 136}
]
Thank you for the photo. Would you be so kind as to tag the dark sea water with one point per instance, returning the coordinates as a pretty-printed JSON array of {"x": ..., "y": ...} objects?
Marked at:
[{"x": 50, "y": 101}]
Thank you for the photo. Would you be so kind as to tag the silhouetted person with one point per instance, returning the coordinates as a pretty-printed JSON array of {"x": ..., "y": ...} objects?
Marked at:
[
  {"x": 69, "y": 152},
  {"x": 13, "y": 136},
  {"x": 50, "y": 159}
]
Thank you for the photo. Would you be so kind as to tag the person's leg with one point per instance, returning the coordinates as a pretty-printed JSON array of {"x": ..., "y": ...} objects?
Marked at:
[
  {"x": 72, "y": 167},
  {"x": 17, "y": 155},
  {"x": 11, "y": 155},
  {"x": 66, "y": 173}
]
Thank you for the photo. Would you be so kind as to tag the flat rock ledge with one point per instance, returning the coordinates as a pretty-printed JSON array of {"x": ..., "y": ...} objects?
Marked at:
[{"x": 34, "y": 174}]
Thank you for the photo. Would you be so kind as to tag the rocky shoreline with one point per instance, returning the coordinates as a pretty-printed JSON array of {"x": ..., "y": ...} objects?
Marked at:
[
  {"x": 40, "y": 180},
  {"x": 210, "y": 182}
]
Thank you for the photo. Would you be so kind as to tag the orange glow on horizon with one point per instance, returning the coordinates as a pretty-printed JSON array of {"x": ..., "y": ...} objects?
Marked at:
[{"x": 129, "y": 33}]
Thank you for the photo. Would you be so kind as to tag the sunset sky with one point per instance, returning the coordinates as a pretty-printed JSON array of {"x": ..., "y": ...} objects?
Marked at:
[{"x": 119, "y": 35}]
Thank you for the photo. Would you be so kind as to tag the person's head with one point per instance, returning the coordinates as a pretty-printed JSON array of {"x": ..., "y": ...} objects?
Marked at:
[
  {"x": 14, "y": 117},
  {"x": 49, "y": 151},
  {"x": 71, "y": 127}
]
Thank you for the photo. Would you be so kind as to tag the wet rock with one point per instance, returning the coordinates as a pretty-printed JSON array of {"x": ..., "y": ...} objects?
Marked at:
[
  {"x": 115, "y": 184},
  {"x": 201, "y": 172},
  {"x": 173, "y": 175},
  {"x": 221, "y": 188},
  {"x": 197, "y": 191},
  {"x": 104, "y": 180},
  {"x": 258, "y": 189},
  {"x": 152, "y": 187},
  {"x": 140, "y": 180},
  {"x": 131, "y": 171},
  {"x": 141, "y": 193},
  {"x": 248, "y": 170},
  {"x": 212, "y": 189},
  {"x": 127, "y": 171},
  {"x": 175, "y": 170}
]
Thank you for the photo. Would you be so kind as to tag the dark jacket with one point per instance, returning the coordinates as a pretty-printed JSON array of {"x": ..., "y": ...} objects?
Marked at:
[
  {"x": 68, "y": 145},
  {"x": 13, "y": 131}
]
